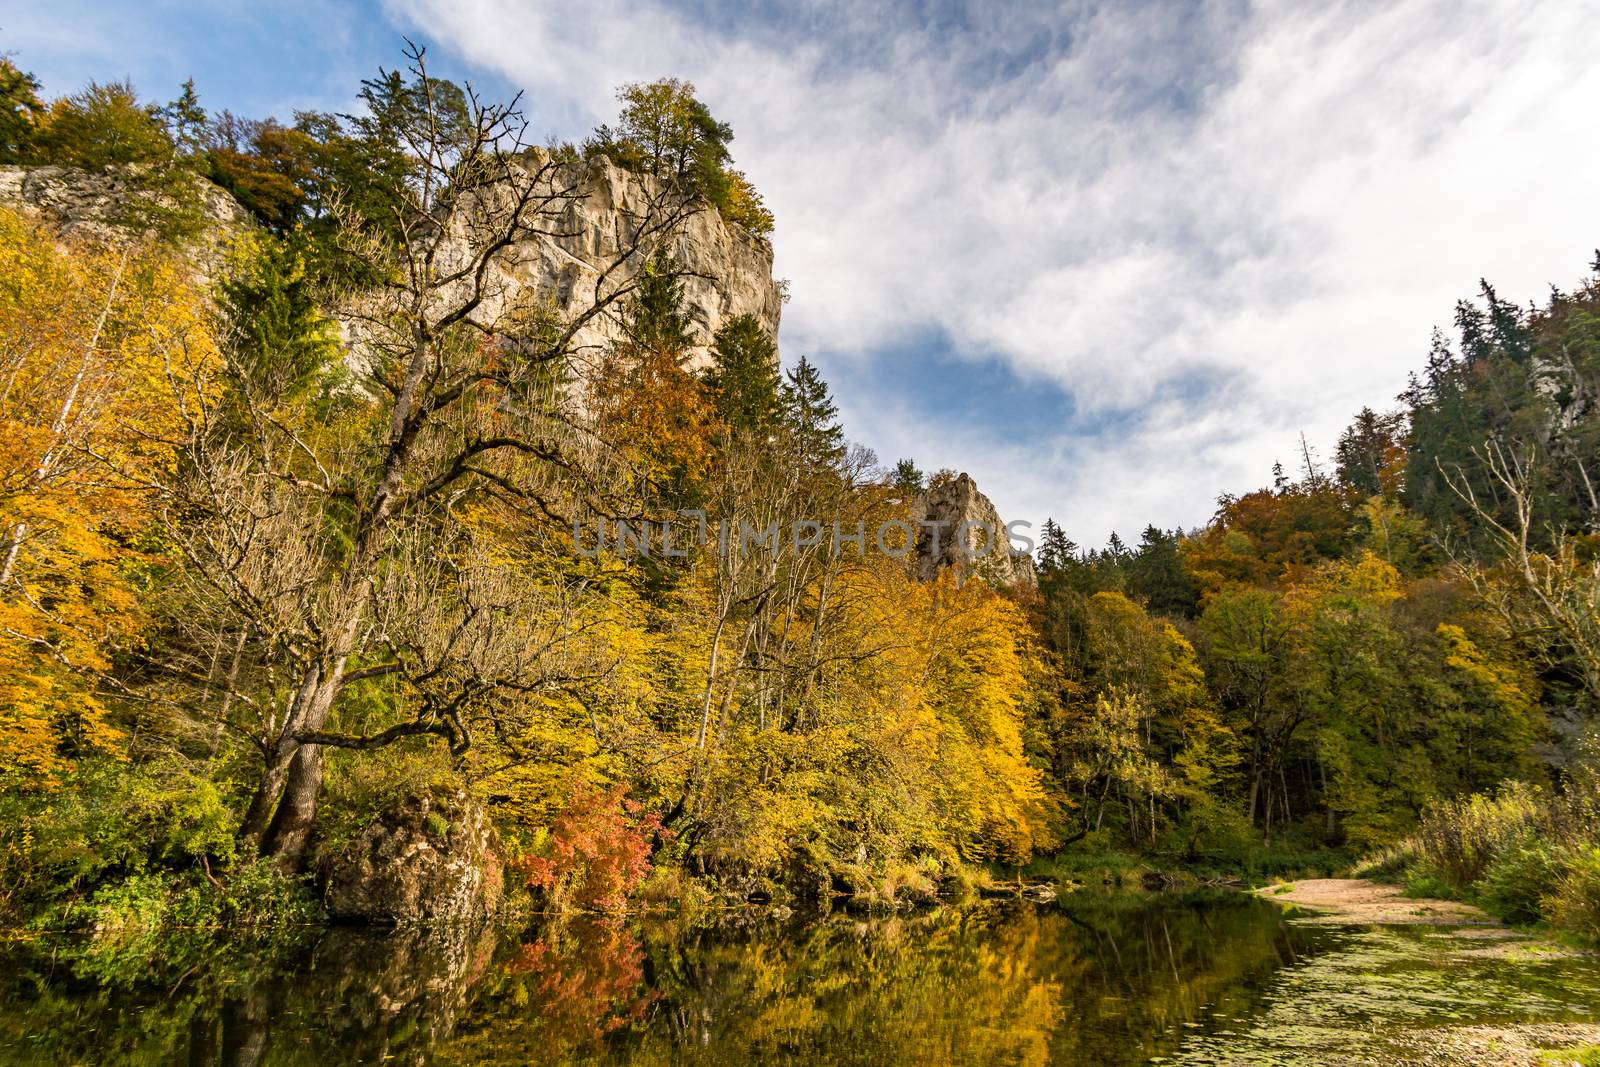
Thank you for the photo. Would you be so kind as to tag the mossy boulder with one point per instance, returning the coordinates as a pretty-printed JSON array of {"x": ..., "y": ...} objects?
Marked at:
[{"x": 431, "y": 858}]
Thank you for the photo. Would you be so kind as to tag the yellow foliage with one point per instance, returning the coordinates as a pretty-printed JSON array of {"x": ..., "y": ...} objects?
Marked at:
[
  {"x": 91, "y": 339},
  {"x": 1510, "y": 684}
]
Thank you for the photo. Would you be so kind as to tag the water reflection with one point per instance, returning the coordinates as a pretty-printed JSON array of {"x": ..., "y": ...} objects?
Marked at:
[
  {"x": 1090, "y": 980},
  {"x": 1102, "y": 981}
]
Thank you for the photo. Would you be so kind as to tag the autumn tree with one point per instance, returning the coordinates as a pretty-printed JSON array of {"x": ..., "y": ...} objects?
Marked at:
[
  {"x": 20, "y": 111},
  {"x": 1246, "y": 652},
  {"x": 88, "y": 335},
  {"x": 103, "y": 126},
  {"x": 361, "y": 544}
]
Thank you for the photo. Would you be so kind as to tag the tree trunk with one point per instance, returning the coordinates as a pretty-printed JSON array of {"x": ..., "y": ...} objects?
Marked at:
[
  {"x": 290, "y": 832},
  {"x": 265, "y": 801},
  {"x": 280, "y": 814}
]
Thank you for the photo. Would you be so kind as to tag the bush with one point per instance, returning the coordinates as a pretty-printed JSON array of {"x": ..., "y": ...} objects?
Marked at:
[
  {"x": 596, "y": 852},
  {"x": 152, "y": 905},
  {"x": 1458, "y": 839},
  {"x": 1574, "y": 906},
  {"x": 107, "y": 823},
  {"x": 1422, "y": 882},
  {"x": 1388, "y": 864},
  {"x": 1516, "y": 883}
]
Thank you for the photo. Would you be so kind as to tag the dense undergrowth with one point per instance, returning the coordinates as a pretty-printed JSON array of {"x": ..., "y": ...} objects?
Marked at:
[{"x": 1523, "y": 855}]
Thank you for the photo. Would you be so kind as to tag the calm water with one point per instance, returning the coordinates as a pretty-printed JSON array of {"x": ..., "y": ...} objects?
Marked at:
[{"x": 1089, "y": 980}]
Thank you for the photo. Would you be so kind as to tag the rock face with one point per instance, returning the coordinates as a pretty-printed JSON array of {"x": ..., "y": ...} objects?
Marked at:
[
  {"x": 431, "y": 860},
  {"x": 85, "y": 204},
  {"x": 960, "y": 528},
  {"x": 729, "y": 271},
  {"x": 600, "y": 207}
]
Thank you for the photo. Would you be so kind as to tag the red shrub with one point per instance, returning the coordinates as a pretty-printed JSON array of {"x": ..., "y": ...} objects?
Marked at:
[{"x": 597, "y": 852}]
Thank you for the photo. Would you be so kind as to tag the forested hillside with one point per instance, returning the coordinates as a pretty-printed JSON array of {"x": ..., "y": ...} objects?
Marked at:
[{"x": 297, "y": 543}]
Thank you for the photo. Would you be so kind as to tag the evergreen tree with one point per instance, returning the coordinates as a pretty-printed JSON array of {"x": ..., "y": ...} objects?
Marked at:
[
  {"x": 185, "y": 120},
  {"x": 281, "y": 343},
  {"x": 743, "y": 376},
  {"x": 812, "y": 417},
  {"x": 1520, "y": 386},
  {"x": 657, "y": 319},
  {"x": 1369, "y": 452},
  {"x": 1157, "y": 574},
  {"x": 1106, "y": 572},
  {"x": 1055, "y": 550},
  {"x": 907, "y": 478}
]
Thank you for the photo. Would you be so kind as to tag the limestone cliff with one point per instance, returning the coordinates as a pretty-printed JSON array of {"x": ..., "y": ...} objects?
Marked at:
[
  {"x": 94, "y": 205},
  {"x": 729, "y": 270},
  {"x": 729, "y": 274},
  {"x": 961, "y": 528},
  {"x": 600, "y": 205}
]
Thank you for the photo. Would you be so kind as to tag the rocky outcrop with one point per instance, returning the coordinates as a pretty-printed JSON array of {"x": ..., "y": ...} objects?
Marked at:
[
  {"x": 107, "y": 205},
  {"x": 597, "y": 208},
  {"x": 432, "y": 859},
  {"x": 597, "y": 211},
  {"x": 960, "y": 528}
]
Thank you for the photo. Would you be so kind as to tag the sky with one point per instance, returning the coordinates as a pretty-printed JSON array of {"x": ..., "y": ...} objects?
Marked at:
[{"x": 1110, "y": 259}]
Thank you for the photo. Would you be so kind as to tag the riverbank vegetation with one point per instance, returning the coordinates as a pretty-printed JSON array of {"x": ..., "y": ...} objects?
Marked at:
[
  {"x": 1524, "y": 856},
  {"x": 295, "y": 545}
]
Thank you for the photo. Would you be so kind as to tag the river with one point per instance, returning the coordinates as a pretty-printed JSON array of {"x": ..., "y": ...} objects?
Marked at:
[{"x": 1101, "y": 980}]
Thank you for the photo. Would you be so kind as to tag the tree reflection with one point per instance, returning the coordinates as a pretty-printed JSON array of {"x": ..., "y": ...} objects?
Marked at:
[{"x": 1106, "y": 980}]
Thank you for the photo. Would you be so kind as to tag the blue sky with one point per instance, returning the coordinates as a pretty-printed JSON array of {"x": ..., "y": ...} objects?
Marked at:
[{"x": 1112, "y": 260}]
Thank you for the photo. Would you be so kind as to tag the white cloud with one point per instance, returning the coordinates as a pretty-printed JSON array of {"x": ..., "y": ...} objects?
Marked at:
[{"x": 1283, "y": 200}]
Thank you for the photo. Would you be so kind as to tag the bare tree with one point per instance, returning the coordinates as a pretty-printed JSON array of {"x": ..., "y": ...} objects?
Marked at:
[
  {"x": 333, "y": 544},
  {"x": 1553, "y": 596}
]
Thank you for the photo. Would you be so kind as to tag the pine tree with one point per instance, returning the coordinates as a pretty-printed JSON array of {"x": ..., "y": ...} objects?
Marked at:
[
  {"x": 1156, "y": 573},
  {"x": 812, "y": 417},
  {"x": 743, "y": 376},
  {"x": 657, "y": 319},
  {"x": 281, "y": 343},
  {"x": 907, "y": 478},
  {"x": 185, "y": 120},
  {"x": 1108, "y": 569},
  {"x": 1056, "y": 551},
  {"x": 1368, "y": 451}
]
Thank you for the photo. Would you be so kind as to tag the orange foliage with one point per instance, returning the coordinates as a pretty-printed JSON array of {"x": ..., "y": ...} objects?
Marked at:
[{"x": 90, "y": 338}]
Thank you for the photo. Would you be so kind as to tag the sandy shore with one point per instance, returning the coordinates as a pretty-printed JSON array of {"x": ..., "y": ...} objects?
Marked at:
[{"x": 1356, "y": 900}]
